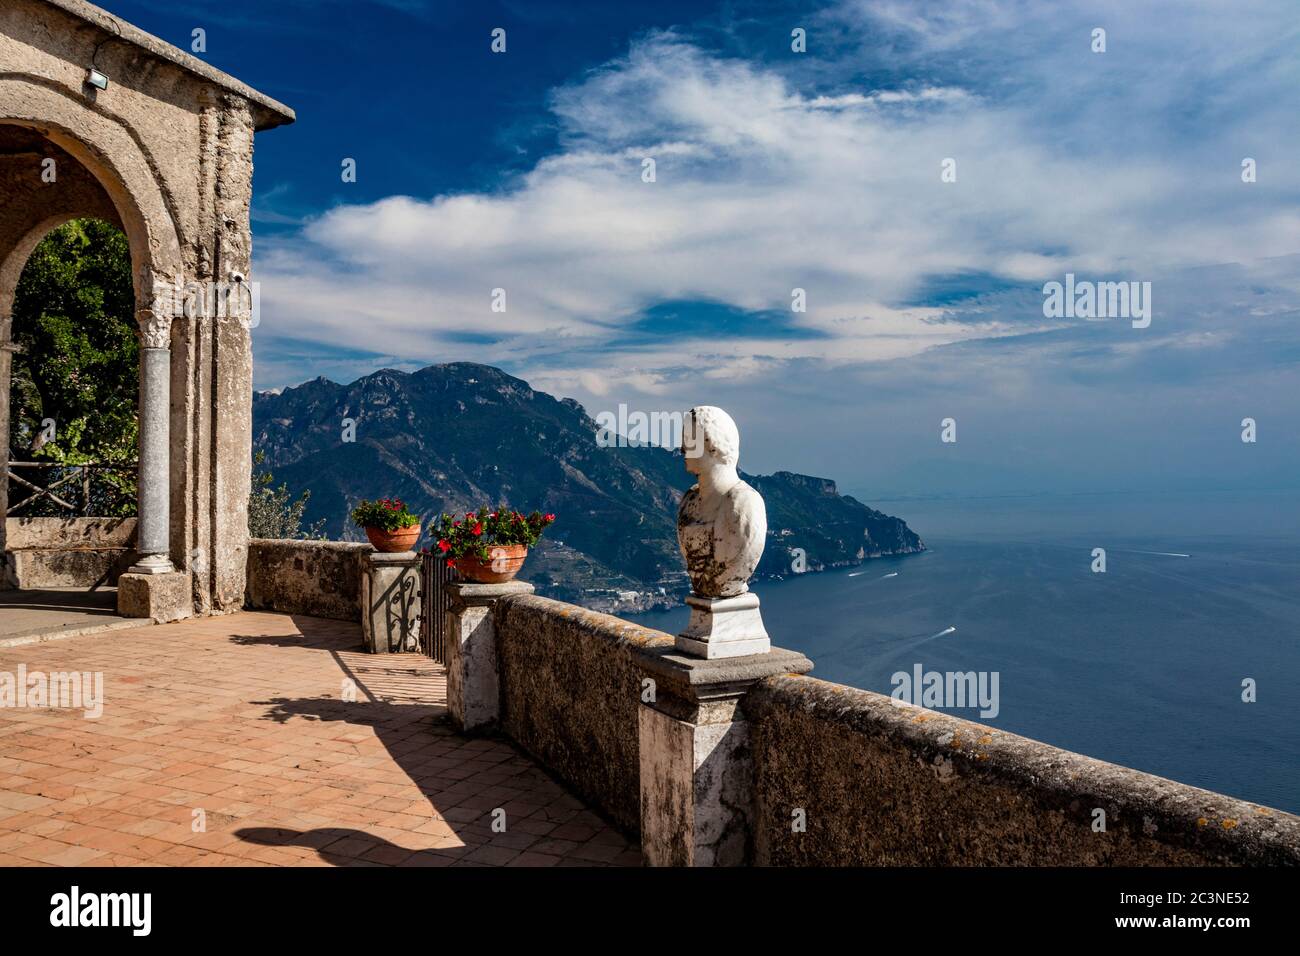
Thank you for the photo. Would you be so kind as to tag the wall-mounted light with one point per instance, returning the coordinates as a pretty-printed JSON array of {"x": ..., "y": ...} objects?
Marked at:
[{"x": 94, "y": 76}]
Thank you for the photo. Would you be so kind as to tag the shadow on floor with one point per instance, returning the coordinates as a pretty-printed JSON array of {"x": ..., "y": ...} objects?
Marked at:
[
  {"x": 344, "y": 846},
  {"x": 465, "y": 780},
  {"x": 53, "y": 611},
  {"x": 79, "y": 600}
]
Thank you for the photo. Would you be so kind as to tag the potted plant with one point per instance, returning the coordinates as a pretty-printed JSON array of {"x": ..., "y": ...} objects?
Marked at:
[
  {"x": 388, "y": 523},
  {"x": 489, "y": 545}
]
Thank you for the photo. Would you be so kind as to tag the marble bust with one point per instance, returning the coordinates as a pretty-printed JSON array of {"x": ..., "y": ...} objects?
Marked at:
[{"x": 721, "y": 529}]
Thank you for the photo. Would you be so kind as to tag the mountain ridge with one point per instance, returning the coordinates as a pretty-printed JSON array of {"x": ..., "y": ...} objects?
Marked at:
[{"x": 450, "y": 437}]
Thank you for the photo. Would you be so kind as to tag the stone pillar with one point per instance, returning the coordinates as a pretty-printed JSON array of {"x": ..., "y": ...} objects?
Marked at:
[
  {"x": 473, "y": 677},
  {"x": 153, "y": 488},
  {"x": 152, "y": 587},
  {"x": 390, "y": 601},
  {"x": 697, "y": 776}
]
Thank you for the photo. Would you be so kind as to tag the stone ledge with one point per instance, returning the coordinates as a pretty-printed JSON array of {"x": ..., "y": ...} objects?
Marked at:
[
  {"x": 382, "y": 558},
  {"x": 698, "y": 679},
  {"x": 472, "y": 594},
  {"x": 948, "y": 791},
  {"x": 300, "y": 576}
]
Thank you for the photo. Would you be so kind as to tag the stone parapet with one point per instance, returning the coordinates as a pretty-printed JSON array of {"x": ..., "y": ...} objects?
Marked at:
[
  {"x": 319, "y": 578},
  {"x": 871, "y": 782}
]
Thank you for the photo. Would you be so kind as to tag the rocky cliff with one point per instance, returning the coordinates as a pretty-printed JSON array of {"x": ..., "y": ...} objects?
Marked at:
[{"x": 450, "y": 437}]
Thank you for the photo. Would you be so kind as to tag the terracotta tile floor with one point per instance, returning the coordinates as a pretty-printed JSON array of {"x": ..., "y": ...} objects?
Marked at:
[{"x": 245, "y": 719}]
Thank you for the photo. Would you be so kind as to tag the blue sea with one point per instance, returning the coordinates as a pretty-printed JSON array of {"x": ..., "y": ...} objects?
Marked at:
[{"x": 1142, "y": 665}]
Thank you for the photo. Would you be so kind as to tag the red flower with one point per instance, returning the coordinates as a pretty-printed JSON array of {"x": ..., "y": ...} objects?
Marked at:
[
  {"x": 478, "y": 529},
  {"x": 549, "y": 517},
  {"x": 451, "y": 562},
  {"x": 444, "y": 545}
]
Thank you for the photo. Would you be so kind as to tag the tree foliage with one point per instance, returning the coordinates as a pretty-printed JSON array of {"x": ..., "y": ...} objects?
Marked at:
[
  {"x": 274, "y": 512},
  {"x": 75, "y": 383}
]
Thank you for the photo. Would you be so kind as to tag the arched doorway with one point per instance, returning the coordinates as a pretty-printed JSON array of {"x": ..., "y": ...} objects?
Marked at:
[
  {"x": 161, "y": 145},
  {"x": 64, "y": 466},
  {"x": 73, "y": 428}
]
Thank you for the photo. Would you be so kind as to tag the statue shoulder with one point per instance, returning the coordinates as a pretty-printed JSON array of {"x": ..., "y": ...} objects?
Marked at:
[{"x": 746, "y": 496}]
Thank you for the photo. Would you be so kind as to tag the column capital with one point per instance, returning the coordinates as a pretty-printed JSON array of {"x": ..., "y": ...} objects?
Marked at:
[{"x": 155, "y": 328}]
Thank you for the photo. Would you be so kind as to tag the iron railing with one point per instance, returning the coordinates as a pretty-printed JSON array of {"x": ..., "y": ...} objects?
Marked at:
[
  {"x": 434, "y": 573},
  {"x": 76, "y": 482}
]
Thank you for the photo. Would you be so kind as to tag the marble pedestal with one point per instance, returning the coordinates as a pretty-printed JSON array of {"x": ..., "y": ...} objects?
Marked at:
[{"x": 724, "y": 627}]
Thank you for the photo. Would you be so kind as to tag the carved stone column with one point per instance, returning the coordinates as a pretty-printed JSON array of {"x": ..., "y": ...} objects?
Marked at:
[
  {"x": 154, "y": 531},
  {"x": 152, "y": 588}
]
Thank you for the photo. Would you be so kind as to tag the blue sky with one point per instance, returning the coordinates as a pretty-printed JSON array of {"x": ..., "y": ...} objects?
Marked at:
[{"x": 821, "y": 170}]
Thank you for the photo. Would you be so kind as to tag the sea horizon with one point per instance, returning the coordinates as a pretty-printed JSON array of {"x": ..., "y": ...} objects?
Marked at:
[{"x": 1141, "y": 664}]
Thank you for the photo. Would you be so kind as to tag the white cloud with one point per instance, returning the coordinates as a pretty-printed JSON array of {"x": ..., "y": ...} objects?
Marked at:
[{"x": 763, "y": 186}]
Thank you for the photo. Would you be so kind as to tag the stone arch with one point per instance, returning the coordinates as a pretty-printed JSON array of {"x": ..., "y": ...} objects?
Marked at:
[
  {"x": 168, "y": 140},
  {"x": 105, "y": 171},
  {"x": 110, "y": 151}
]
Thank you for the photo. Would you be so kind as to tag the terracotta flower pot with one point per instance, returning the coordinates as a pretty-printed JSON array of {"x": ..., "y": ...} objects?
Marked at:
[
  {"x": 503, "y": 564},
  {"x": 403, "y": 539}
]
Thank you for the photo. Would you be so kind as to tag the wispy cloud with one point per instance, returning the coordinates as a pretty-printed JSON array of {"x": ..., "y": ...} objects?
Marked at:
[{"x": 772, "y": 175}]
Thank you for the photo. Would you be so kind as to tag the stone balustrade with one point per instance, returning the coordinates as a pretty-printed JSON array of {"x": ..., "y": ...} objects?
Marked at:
[{"x": 834, "y": 775}]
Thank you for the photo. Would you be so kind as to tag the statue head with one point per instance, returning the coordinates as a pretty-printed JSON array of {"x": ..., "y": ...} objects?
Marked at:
[{"x": 710, "y": 439}]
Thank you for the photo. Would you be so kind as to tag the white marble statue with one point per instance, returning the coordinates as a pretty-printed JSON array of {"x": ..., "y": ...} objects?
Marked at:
[{"x": 721, "y": 528}]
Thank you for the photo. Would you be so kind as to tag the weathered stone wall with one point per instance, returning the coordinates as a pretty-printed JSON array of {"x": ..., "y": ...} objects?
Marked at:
[
  {"x": 47, "y": 552},
  {"x": 570, "y": 690},
  {"x": 884, "y": 785},
  {"x": 68, "y": 533},
  {"x": 317, "y": 578}
]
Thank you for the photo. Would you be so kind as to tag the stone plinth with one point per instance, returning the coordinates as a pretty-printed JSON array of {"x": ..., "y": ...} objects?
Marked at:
[
  {"x": 161, "y": 597},
  {"x": 390, "y": 601},
  {"x": 696, "y": 773},
  {"x": 473, "y": 674},
  {"x": 724, "y": 627}
]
